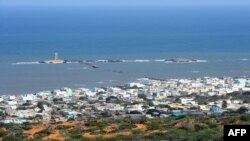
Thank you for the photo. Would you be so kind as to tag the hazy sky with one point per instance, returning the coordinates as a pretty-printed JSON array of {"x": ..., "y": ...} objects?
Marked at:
[{"x": 124, "y": 2}]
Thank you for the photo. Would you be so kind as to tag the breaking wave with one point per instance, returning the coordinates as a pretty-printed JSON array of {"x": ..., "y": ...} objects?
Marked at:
[
  {"x": 160, "y": 60},
  {"x": 26, "y": 63},
  {"x": 135, "y": 61},
  {"x": 141, "y": 61},
  {"x": 201, "y": 61},
  {"x": 244, "y": 59}
]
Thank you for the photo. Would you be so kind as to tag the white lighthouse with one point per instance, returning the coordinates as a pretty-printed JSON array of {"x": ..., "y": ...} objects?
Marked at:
[
  {"x": 56, "y": 56},
  {"x": 56, "y": 60}
]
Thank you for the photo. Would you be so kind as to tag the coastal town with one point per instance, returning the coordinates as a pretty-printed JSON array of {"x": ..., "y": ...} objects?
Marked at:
[{"x": 146, "y": 97}]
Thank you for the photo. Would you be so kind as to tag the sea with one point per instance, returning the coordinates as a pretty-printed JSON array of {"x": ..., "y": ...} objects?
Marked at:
[{"x": 218, "y": 35}]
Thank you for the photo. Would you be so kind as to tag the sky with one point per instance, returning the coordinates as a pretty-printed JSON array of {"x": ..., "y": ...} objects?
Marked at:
[{"x": 117, "y": 3}]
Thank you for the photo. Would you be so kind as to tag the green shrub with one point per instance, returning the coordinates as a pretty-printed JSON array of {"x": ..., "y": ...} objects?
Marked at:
[
  {"x": 126, "y": 126},
  {"x": 198, "y": 127},
  {"x": 63, "y": 127},
  {"x": 75, "y": 134},
  {"x": 212, "y": 125},
  {"x": 245, "y": 118},
  {"x": 3, "y": 133},
  {"x": 137, "y": 131},
  {"x": 9, "y": 138}
]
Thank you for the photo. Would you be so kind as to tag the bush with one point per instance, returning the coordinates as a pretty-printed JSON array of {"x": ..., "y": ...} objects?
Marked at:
[
  {"x": 9, "y": 138},
  {"x": 198, "y": 127},
  {"x": 3, "y": 133},
  {"x": 242, "y": 110},
  {"x": 142, "y": 120},
  {"x": 63, "y": 127},
  {"x": 43, "y": 133},
  {"x": 187, "y": 127},
  {"x": 26, "y": 126},
  {"x": 181, "y": 117},
  {"x": 212, "y": 125},
  {"x": 208, "y": 135},
  {"x": 75, "y": 134},
  {"x": 245, "y": 118},
  {"x": 125, "y": 126},
  {"x": 155, "y": 124},
  {"x": 137, "y": 131},
  {"x": 157, "y": 136}
]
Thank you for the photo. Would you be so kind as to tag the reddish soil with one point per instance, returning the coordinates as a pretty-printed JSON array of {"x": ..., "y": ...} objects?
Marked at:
[
  {"x": 34, "y": 130},
  {"x": 141, "y": 127}
]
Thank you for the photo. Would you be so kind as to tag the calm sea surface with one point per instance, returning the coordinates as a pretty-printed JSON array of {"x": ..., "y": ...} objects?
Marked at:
[{"x": 220, "y": 35}]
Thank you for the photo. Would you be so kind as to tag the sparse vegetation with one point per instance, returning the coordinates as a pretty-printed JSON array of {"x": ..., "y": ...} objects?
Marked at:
[{"x": 190, "y": 128}]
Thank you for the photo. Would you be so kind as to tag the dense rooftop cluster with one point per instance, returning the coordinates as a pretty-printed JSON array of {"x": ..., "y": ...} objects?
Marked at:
[{"x": 147, "y": 97}]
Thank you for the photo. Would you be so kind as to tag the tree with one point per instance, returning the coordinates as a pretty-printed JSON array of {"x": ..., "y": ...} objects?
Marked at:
[
  {"x": 142, "y": 120},
  {"x": 142, "y": 96},
  {"x": 242, "y": 110},
  {"x": 150, "y": 103},
  {"x": 224, "y": 104},
  {"x": 245, "y": 118},
  {"x": 40, "y": 106}
]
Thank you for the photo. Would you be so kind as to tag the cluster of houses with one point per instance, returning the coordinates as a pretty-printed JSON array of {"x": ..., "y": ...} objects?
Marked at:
[{"x": 147, "y": 97}]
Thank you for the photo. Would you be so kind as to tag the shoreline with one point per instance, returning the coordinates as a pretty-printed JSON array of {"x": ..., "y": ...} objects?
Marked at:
[{"x": 137, "y": 80}]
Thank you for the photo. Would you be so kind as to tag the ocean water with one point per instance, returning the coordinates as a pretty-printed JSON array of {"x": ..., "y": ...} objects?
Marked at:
[{"x": 220, "y": 35}]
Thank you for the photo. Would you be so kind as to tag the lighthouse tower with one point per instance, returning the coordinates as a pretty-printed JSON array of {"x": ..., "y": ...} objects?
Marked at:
[
  {"x": 56, "y": 60},
  {"x": 56, "y": 56}
]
